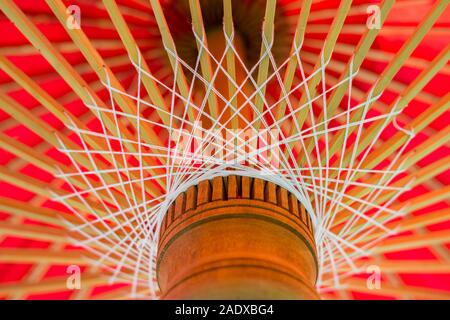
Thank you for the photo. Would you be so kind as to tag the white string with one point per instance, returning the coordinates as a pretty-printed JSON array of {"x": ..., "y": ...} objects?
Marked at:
[{"x": 131, "y": 226}]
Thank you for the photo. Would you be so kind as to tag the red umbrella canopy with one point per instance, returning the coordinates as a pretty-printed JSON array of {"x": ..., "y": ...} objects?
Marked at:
[{"x": 52, "y": 64}]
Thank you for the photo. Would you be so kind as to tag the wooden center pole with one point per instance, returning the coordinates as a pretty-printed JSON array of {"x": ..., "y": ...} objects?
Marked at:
[{"x": 237, "y": 238}]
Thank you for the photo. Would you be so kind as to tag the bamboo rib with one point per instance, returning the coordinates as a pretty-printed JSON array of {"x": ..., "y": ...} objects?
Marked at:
[
  {"x": 22, "y": 115},
  {"x": 380, "y": 107},
  {"x": 130, "y": 8},
  {"x": 129, "y": 11},
  {"x": 60, "y": 237},
  {"x": 143, "y": 3},
  {"x": 407, "y": 224},
  {"x": 310, "y": 91},
  {"x": 439, "y": 139},
  {"x": 418, "y": 124},
  {"x": 426, "y": 173},
  {"x": 50, "y": 165},
  {"x": 44, "y": 215},
  {"x": 36, "y": 273},
  {"x": 28, "y": 154},
  {"x": 65, "y": 47},
  {"x": 412, "y": 157},
  {"x": 357, "y": 59},
  {"x": 168, "y": 42},
  {"x": 327, "y": 13},
  {"x": 392, "y": 267},
  {"x": 297, "y": 43},
  {"x": 427, "y": 199},
  {"x": 205, "y": 59},
  {"x": 389, "y": 146},
  {"x": 82, "y": 68},
  {"x": 44, "y": 190},
  {"x": 67, "y": 98},
  {"x": 56, "y": 109},
  {"x": 388, "y": 290},
  {"x": 77, "y": 257},
  {"x": 423, "y": 174},
  {"x": 98, "y": 65},
  {"x": 264, "y": 59},
  {"x": 47, "y": 50},
  {"x": 100, "y": 23},
  {"x": 55, "y": 284},
  {"x": 34, "y": 232},
  {"x": 230, "y": 56},
  {"x": 393, "y": 67},
  {"x": 412, "y": 223},
  {"x": 40, "y": 214},
  {"x": 83, "y": 293},
  {"x": 409, "y": 93},
  {"x": 317, "y": 15},
  {"x": 418, "y": 203},
  {"x": 369, "y": 77},
  {"x": 40, "y": 128},
  {"x": 423, "y": 201},
  {"x": 358, "y": 29},
  {"x": 134, "y": 53},
  {"x": 412, "y": 241},
  {"x": 436, "y": 141},
  {"x": 43, "y": 97},
  {"x": 62, "y": 66},
  {"x": 42, "y": 146},
  {"x": 119, "y": 294},
  {"x": 375, "y": 55},
  {"x": 44, "y": 233}
]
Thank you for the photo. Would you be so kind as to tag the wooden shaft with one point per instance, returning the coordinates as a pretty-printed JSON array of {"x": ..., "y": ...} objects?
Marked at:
[{"x": 237, "y": 238}]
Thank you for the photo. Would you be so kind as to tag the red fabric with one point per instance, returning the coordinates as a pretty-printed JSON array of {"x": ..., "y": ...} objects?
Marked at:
[{"x": 36, "y": 65}]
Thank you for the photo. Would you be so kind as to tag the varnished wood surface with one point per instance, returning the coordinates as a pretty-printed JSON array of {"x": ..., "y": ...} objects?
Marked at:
[{"x": 237, "y": 238}]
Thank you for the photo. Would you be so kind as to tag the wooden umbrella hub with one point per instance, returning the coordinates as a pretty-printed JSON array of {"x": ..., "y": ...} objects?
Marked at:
[{"x": 237, "y": 238}]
